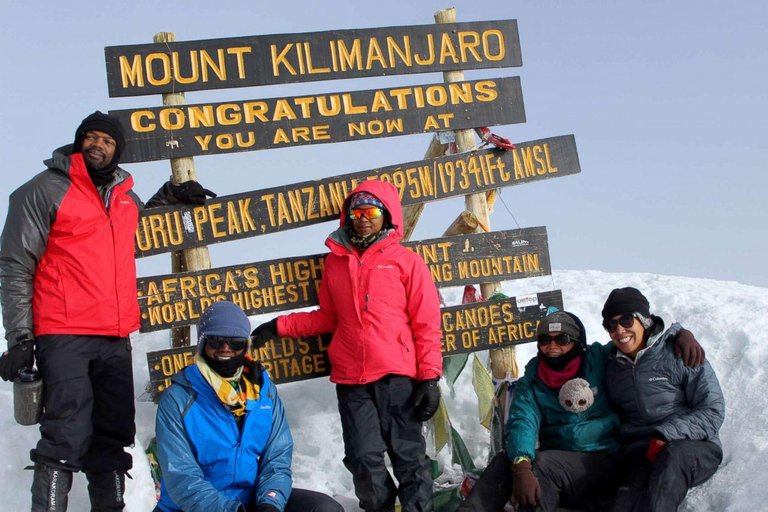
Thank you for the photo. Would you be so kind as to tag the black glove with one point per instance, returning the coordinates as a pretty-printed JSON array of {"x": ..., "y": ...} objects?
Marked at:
[
  {"x": 525, "y": 486},
  {"x": 263, "y": 333},
  {"x": 15, "y": 358},
  {"x": 687, "y": 348},
  {"x": 427, "y": 399},
  {"x": 266, "y": 507},
  {"x": 189, "y": 192}
]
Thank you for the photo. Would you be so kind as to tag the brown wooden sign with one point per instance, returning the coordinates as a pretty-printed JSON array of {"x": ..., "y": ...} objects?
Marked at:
[
  {"x": 466, "y": 328},
  {"x": 289, "y": 58},
  {"x": 288, "y": 283},
  {"x": 276, "y": 209},
  {"x": 206, "y": 129}
]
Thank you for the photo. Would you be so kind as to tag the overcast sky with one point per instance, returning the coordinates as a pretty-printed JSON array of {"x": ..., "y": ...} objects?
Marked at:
[{"x": 667, "y": 100}]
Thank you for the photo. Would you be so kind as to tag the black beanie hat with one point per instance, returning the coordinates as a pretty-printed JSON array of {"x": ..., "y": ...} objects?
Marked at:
[
  {"x": 103, "y": 123},
  {"x": 626, "y": 300},
  {"x": 559, "y": 321}
]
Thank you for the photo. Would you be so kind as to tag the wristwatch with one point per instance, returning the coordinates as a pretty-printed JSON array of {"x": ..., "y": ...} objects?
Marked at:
[{"x": 520, "y": 459}]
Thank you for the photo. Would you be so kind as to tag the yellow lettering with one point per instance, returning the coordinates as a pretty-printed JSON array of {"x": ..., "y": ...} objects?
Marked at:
[{"x": 131, "y": 74}]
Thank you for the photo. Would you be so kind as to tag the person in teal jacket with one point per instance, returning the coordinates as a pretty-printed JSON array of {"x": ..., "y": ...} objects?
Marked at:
[{"x": 562, "y": 402}]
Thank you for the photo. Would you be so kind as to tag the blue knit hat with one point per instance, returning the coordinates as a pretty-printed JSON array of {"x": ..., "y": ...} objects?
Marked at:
[{"x": 223, "y": 318}]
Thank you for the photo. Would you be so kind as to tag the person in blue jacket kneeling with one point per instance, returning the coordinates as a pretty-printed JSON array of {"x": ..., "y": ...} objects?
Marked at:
[{"x": 223, "y": 440}]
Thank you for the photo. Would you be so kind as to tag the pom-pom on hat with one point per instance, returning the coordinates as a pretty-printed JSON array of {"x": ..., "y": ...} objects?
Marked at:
[
  {"x": 626, "y": 300},
  {"x": 223, "y": 318},
  {"x": 559, "y": 321},
  {"x": 365, "y": 198}
]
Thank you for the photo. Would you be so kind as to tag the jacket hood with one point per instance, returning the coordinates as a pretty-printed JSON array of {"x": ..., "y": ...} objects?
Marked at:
[
  {"x": 60, "y": 158},
  {"x": 387, "y": 194},
  {"x": 60, "y": 161}
]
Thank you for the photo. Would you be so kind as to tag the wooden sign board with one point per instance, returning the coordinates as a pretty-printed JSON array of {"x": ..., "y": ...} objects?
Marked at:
[
  {"x": 290, "y": 58},
  {"x": 288, "y": 283},
  {"x": 276, "y": 209},
  {"x": 206, "y": 129},
  {"x": 466, "y": 328}
]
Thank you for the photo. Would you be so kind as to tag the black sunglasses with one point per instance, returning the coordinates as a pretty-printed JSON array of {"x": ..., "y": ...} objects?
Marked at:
[
  {"x": 626, "y": 320},
  {"x": 217, "y": 342},
  {"x": 561, "y": 339}
]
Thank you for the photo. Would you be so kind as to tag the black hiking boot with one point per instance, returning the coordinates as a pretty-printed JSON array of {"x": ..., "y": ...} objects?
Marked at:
[
  {"x": 106, "y": 491},
  {"x": 50, "y": 488}
]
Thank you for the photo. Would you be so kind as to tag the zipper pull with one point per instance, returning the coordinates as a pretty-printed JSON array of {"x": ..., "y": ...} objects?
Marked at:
[{"x": 367, "y": 299}]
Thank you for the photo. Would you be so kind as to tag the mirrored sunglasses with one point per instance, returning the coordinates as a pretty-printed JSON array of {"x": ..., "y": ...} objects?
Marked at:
[
  {"x": 561, "y": 339},
  {"x": 368, "y": 213},
  {"x": 626, "y": 320},
  {"x": 217, "y": 342}
]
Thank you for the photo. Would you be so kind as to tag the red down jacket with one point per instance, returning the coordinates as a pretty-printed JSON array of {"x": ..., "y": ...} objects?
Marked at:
[
  {"x": 382, "y": 306},
  {"x": 67, "y": 259}
]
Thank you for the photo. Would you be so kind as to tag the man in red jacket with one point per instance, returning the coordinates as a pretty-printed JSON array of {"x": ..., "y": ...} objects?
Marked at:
[
  {"x": 68, "y": 293},
  {"x": 381, "y": 304}
]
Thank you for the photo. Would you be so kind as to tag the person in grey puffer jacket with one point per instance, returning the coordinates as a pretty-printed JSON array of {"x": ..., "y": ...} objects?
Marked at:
[{"x": 670, "y": 414}]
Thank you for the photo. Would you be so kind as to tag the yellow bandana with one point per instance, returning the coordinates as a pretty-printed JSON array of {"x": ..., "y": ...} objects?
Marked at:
[{"x": 233, "y": 391}]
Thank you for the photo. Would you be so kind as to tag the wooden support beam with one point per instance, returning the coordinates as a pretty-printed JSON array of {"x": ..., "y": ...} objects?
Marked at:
[
  {"x": 182, "y": 169},
  {"x": 502, "y": 359},
  {"x": 464, "y": 224}
]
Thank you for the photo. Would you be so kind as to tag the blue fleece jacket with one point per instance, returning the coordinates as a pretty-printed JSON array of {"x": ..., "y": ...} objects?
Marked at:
[{"x": 208, "y": 463}]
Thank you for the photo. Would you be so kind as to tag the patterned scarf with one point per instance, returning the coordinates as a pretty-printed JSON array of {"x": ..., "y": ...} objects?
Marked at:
[
  {"x": 233, "y": 391},
  {"x": 363, "y": 242}
]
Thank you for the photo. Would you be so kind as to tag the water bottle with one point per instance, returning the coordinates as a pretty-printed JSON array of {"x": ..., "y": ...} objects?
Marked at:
[{"x": 28, "y": 397}]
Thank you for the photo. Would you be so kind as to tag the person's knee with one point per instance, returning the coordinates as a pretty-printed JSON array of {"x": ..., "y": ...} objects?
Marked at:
[
  {"x": 672, "y": 457},
  {"x": 546, "y": 464},
  {"x": 328, "y": 504},
  {"x": 366, "y": 461}
]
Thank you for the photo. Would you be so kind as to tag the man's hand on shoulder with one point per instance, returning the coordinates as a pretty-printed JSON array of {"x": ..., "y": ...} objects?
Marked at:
[{"x": 688, "y": 349}]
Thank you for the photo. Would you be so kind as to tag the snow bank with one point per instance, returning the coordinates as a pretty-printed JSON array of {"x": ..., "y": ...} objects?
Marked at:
[{"x": 729, "y": 319}]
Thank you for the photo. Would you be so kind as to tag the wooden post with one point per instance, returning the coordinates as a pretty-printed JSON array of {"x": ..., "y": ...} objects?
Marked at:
[
  {"x": 476, "y": 204},
  {"x": 464, "y": 224},
  {"x": 182, "y": 169}
]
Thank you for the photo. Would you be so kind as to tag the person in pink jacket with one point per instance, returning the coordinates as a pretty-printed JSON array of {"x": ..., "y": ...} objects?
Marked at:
[{"x": 380, "y": 303}]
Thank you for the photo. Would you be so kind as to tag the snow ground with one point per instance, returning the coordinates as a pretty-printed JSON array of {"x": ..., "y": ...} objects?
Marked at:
[{"x": 726, "y": 317}]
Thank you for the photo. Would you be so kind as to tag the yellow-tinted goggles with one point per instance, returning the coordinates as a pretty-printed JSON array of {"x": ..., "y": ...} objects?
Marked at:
[{"x": 368, "y": 213}]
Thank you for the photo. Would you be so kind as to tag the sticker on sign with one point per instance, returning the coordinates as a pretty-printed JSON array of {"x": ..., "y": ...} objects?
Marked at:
[{"x": 527, "y": 300}]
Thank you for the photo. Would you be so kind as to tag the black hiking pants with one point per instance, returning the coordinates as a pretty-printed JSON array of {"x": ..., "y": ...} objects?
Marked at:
[
  {"x": 302, "y": 500},
  {"x": 89, "y": 409},
  {"x": 661, "y": 486},
  {"x": 380, "y": 417},
  {"x": 580, "y": 480}
]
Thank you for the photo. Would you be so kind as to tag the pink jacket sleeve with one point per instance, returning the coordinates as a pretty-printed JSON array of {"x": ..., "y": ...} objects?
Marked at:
[
  {"x": 310, "y": 323},
  {"x": 426, "y": 321}
]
